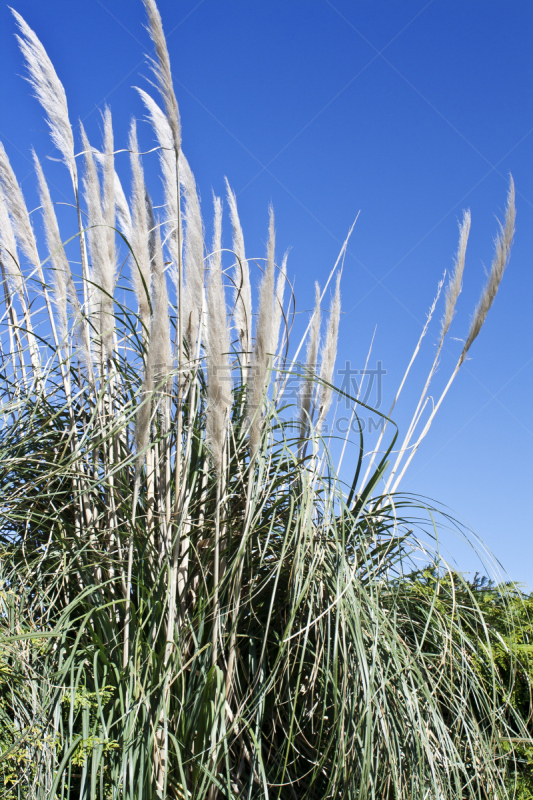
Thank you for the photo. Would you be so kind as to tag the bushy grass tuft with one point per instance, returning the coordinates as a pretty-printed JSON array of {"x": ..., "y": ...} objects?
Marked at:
[{"x": 192, "y": 603}]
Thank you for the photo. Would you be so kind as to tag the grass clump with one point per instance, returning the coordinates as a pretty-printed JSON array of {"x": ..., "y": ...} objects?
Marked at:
[{"x": 193, "y": 604}]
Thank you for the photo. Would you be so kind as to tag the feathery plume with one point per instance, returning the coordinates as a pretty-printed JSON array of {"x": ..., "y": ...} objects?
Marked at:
[
  {"x": 144, "y": 414},
  {"x": 501, "y": 259},
  {"x": 306, "y": 395},
  {"x": 329, "y": 353},
  {"x": 50, "y": 93},
  {"x": 455, "y": 284},
  {"x": 15, "y": 280},
  {"x": 159, "y": 349},
  {"x": 102, "y": 274},
  {"x": 162, "y": 71},
  {"x": 218, "y": 347},
  {"x": 167, "y": 161},
  {"x": 278, "y": 304},
  {"x": 62, "y": 277},
  {"x": 158, "y": 354},
  {"x": 242, "y": 296},
  {"x": 453, "y": 290},
  {"x": 8, "y": 247},
  {"x": 194, "y": 253},
  {"x": 17, "y": 210},
  {"x": 263, "y": 342},
  {"x": 122, "y": 209},
  {"x": 140, "y": 231},
  {"x": 23, "y": 233},
  {"x": 108, "y": 196}
]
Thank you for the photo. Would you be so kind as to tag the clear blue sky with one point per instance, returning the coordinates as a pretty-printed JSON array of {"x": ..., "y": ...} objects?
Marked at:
[{"x": 408, "y": 112}]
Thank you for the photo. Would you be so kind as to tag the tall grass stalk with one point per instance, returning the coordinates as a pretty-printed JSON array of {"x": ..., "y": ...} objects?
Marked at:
[{"x": 191, "y": 606}]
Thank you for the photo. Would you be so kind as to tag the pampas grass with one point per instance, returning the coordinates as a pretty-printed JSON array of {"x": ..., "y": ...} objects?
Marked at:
[
  {"x": 193, "y": 299},
  {"x": 242, "y": 294},
  {"x": 455, "y": 283},
  {"x": 501, "y": 259},
  {"x": 278, "y": 311},
  {"x": 139, "y": 231},
  {"x": 162, "y": 71},
  {"x": 167, "y": 158},
  {"x": 263, "y": 341},
  {"x": 62, "y": 278},
  {"x": 309, "y": 387},
  {"x": 17, "y": 210},
  {"x": 218, "y": 348},
  {"x": 50, "y": 93},
  {"x": 10, "y": 260},
  {"x": 329, "y": 355},
  {"x": 191, "y": 607}
]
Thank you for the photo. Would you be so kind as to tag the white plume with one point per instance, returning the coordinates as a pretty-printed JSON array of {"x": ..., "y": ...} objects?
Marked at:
[
  {"x": 163, "y": 72},
  {"x": 501, "y": 259},
  {"x": 194, "y": 253},
  {"x": 102, "y": 274},
  {"x": 8, "y": 247},
  {"x": 311, "y": 359},
  {"x": 159, "y": 358},
  {"x": 218, "y": 346},
  {"x": 140, "y": 268},
  {"x": 124, "y": 220},
  {"x": 62, "y": 277},
  {"x": 455, "y": 284},
  {"x": 263, "y": 342},
  {"x": 167, "y": 159},
  {"x": 242, "y": 295},
  {"x": 50, "y": 93},
  {"x": 278, "y": 304},
  {"x": 329, "y": 353},
  {"x": 108, "y": 171},
  {"x": 17, "y": 210}
]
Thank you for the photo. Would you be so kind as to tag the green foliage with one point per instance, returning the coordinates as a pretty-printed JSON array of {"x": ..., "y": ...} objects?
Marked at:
[
  {"x": 500, "y": 617},
  {"x": 353, "y": 673}
]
